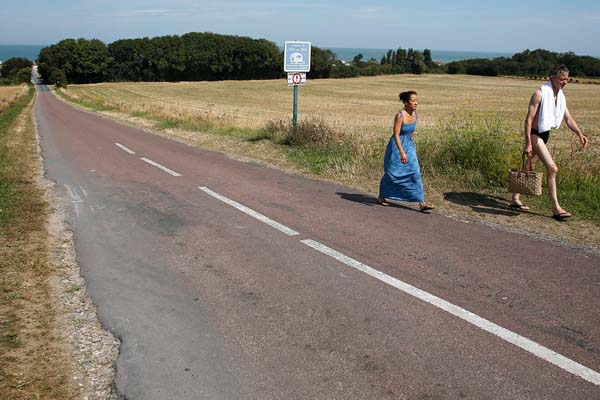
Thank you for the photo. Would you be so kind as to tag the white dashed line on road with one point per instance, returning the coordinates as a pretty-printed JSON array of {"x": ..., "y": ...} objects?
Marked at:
[
  {"x": 250, "y": 212},
  {"x": 124, "y": 148},
  {"x": 526, "y": 344},
  {"x": 157, "y": 165}
]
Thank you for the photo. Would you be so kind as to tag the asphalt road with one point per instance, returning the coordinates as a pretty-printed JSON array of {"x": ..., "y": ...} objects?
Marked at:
[{"x": 229, "y": 280}]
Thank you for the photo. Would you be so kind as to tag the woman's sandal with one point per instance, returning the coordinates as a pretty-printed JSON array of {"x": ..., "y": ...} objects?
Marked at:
[
  {"x": 382, "y": 202},
  {"x": 426, "y": 207}
]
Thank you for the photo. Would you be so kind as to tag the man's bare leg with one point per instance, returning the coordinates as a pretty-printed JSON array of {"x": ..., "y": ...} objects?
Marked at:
[
  {"x": 540, "y": 149},
  {"x": 516, "y": 197}
]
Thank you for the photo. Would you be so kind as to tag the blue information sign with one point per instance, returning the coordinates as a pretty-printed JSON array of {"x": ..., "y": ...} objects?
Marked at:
[{"x": 297, "y": 57}]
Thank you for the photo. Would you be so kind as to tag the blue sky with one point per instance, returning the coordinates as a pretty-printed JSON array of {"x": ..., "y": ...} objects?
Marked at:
[{"x": 502, "y": 26}]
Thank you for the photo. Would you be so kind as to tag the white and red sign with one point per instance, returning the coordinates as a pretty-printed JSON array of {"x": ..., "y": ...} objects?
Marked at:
[{"x": 296, "y": 78}]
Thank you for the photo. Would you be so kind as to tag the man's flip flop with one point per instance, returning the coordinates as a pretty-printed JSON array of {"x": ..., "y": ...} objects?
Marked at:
[
  {"x": 382, "y": 202},
  {"x": 562, "y": 216},
  {"x": 520, "y": 207}
]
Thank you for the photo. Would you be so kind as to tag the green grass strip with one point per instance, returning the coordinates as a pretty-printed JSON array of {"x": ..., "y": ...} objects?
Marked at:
[{"x": 10, "y": 196}]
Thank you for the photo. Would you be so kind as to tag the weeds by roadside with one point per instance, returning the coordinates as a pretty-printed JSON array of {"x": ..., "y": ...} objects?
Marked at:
[
  {"x": 32, "y": 360},
  {"x": 473, "y": 151}
]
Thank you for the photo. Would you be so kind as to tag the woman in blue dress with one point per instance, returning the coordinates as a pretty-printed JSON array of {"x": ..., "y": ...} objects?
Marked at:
[{"x": 402, "y": 177}]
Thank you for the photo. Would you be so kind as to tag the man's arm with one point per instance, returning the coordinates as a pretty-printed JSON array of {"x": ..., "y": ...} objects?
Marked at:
[
  {"x": 573, "y": 126},
  {"x": 534, "y": 105}
]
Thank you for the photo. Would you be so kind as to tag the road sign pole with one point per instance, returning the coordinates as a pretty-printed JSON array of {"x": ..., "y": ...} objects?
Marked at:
[
  {"x": 296, "y": 63},
  {"x": 295, "y": 119}
]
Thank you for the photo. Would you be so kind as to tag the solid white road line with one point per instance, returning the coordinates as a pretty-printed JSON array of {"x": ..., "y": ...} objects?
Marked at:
[
  {"x": 157, "y": 165},
  {"x": 250, "y": 212},
  {"x": 528, "y": 345},
  {"x": 124, "y": 148}
]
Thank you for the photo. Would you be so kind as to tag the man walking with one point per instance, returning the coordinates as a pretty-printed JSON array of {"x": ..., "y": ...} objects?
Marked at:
[{"x": 547, "y": 109}]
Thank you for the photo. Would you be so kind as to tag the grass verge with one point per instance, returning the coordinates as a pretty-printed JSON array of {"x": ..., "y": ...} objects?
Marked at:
[{"x": 33, "y": 364}]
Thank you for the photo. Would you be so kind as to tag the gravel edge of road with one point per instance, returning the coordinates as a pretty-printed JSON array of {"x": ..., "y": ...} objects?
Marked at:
[{"x": 92, "y": 349}]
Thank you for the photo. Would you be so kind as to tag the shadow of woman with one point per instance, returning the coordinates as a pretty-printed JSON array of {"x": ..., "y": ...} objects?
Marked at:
[
  {"x": 484, "y": 203},
  {"x": 369, "y": 200}
]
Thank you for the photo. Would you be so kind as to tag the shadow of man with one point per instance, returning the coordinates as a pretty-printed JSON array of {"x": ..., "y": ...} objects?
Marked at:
[{"x": 483, "y": 203}]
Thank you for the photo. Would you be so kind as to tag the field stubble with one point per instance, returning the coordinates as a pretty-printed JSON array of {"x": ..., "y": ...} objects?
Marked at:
[
  {"x": 361, "y": 112},
  {"x": 9, "y": 94}
]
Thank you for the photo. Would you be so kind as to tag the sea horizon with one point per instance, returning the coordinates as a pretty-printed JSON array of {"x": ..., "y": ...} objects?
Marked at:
[{"x": 29, "y": 51}]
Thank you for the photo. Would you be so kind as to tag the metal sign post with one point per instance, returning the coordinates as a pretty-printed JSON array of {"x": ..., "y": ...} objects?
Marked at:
[
  {"x": 295, "y": 115},
  {"x": 296, "y": 79},
  {"x": 296, "y": 63}
]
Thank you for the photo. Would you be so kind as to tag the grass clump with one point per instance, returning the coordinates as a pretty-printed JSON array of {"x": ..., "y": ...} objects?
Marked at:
[
  {"x": 578, "y": 181},
  {"x": 315, "y": 145},
  {"x": 474, "y": 151}
]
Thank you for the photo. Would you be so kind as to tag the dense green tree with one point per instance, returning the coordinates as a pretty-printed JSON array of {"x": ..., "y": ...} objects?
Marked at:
[
  {"x": 91, "y": 62},
  {"x": 321, "y": 62},
  {"x": 358, "y": 59},
  {"x": 23, "y": 75},
  {"x": 11, "y": 69},
  {"x": 340, "y": 70},
  {"x": 57, "y": 77},
  {"x": 427, "y": 58},
  {"x": 129, "y": 62},
  {"x": 415, "y": 61},
  {"x": 57, "y": 56},
  {"x": 455, "y": 67},
  {"x": 389, "y": 56},
  {"x": 82, "y": 60},
  {"x": 480, "y": 66},
  {"x": 401, "y": 60}
]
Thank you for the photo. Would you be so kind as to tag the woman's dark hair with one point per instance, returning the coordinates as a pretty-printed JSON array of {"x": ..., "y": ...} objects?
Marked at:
[{"x": 405, "y": 96}]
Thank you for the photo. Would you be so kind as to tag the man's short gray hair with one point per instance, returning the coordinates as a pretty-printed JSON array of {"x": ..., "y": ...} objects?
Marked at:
[{"x": 559, "y": 69}]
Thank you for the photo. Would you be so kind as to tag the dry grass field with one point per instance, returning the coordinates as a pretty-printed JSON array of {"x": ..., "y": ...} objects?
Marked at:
[
  {"x": 8, "y": 94},
  {"x": 365, "y": 105},
  {"x": 364, "y": 108}
]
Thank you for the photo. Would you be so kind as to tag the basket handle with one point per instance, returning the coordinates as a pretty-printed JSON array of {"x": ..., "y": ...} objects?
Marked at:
[{"x": 528, "y": 162}]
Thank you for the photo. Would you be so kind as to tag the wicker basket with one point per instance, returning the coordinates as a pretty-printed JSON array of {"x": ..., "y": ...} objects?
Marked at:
[{"x": 524, "y": 181}]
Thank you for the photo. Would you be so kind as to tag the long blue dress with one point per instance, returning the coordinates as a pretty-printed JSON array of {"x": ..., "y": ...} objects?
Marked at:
[{"x": 402, "y": 181}]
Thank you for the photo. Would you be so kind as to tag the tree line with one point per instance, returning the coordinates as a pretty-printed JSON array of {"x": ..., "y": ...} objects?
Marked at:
[
  {"x": 190, "y": 57},
  {"x": 532, "y": 63},
  {"x": 208, "y": 56},
  {"x": 15, "y": 70}
]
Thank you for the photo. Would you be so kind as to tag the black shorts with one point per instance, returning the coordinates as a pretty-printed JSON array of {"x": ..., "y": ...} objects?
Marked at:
[{"x": 544, "y": 135}]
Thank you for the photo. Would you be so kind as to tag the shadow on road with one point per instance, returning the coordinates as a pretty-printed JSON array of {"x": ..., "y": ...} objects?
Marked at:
[
  {"x": 483, "y": 203},
  {"x": 369, "y": 200}
]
